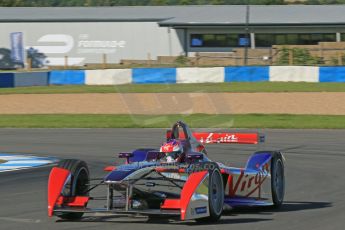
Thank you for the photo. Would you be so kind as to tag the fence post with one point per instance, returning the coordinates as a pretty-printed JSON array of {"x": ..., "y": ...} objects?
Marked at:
[
  {"x": 340, "y": 59},
  {"x": 66, "y": 62},
  {"x": 244, "y": 59},
  {"x": 290, "y": 57},
  {"x": 197, "y": 56},
  {"x": 104, "y": 61},
  {"x": 274, "y": 54},
  {"x": 270, "y": 56},
  {"x": 149, "y": 59},
  {"x": 321, "y": 50},
  {"x": 29, "y": 61}
]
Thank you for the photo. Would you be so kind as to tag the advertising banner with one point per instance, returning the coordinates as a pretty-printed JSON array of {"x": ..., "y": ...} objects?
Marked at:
[{"x": 17, "y": 47}]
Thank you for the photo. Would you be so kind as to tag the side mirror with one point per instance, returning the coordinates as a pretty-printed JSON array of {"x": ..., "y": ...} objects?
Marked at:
[{"x": 126, "y": 155}]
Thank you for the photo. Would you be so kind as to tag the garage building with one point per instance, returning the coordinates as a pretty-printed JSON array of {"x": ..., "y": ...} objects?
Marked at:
[{"x": 85, "y": 34}]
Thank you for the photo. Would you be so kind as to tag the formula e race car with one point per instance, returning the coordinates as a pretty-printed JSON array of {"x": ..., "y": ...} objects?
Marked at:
[{"x": 178, "y": 180}]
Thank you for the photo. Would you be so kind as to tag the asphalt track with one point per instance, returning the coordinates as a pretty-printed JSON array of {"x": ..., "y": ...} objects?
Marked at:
[{"x": 315, "y": 161}]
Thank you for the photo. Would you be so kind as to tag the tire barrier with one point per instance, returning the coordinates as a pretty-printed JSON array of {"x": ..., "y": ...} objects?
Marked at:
[
  {"x": 294, "y": 73},
  {"x": 200, "y": 75},
  {"x": 6, "y": 80},
  {"x": 67, "y": 77},
  {"x": 174, "y": 75},
  {"x": 31, "y": 79},
  {"x": 332, "y": 74},
  {"x": 108, "y": 77},
  {"x": 153, "y": 75},
  {"x": 246, "y": 74}
]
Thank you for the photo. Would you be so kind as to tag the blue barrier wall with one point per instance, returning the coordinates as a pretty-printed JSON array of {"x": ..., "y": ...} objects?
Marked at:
[
  {"x": 6, "y": 80},
  {"x": 332, "y": 74},
  {"x": 169, "y": 75},
  {"x": 67, "y": 77},
  {"x": 153, "y": 75},
  {"x": 246, "y": 74},
  {"x": 31, "y": 79}
]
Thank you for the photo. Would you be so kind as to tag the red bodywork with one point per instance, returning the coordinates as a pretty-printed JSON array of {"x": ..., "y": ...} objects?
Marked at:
[
  {"x": 186, "y": 194},
  {"x": 57, "y": 180},
  {"x": 76, "y": 201}
]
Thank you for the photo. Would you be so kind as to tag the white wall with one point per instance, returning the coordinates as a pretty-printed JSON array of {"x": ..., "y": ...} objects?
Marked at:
[
  {"x": 199, "y": 75},
  {"x": 294, "y": 73},
  {"x": 119, "y": 40},
  {"x": 108, "y": 77}
]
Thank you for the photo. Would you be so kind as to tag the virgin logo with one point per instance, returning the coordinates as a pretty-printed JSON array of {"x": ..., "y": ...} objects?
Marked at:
[
  {"x": 221, "y": 138},
  {"x": 247, "y": 184}
]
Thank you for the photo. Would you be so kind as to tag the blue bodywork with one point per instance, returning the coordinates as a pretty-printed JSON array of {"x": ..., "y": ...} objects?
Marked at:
[{"x": 123, "y": 171}]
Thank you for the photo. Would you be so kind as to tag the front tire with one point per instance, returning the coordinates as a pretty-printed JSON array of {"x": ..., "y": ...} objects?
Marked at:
[
  {"x": 77, "y": 186},
  {"x": 215, "y": 196},
  {"x": 277, "y": 179}
]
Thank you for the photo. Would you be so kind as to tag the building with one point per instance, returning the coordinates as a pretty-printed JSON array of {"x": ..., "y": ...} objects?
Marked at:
[{"x": 145, "y": 32}]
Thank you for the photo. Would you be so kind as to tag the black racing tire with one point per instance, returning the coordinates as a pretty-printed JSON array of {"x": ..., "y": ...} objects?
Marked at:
[
  {"x": 215, "y": 196},
  {"x": 77, "y": 186},
  {"x": 277, "y": 179}
]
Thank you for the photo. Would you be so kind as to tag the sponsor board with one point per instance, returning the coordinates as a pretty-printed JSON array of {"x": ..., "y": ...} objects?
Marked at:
[{"x": 17, "y": 47}]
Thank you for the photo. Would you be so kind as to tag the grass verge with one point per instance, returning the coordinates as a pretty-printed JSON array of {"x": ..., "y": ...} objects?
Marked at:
[
  {"x": 163, "y": 121},
  {"x": 236, "y": 87}
]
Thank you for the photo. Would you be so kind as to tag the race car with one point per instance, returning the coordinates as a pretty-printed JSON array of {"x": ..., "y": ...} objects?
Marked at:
[{"x": 177, "y": 180}]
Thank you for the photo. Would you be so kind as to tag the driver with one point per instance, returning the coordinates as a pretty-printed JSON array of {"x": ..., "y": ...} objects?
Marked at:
[{"x": 173, "y": 151}]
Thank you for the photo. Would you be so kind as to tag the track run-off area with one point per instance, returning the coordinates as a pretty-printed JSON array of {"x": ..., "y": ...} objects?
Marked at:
[{"x": 314, "y": 178}]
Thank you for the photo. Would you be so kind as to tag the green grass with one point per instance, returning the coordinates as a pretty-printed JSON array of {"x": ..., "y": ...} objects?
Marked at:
[
  {"x": 163, "y": 121},
  {"x": 184, "y": 88}
]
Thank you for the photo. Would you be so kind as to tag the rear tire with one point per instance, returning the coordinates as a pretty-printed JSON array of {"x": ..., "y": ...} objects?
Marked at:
[
  {"x": 77, "y": 186},
  {"x": 277, "y": 179},
  {"x": 215, "y": 196}
]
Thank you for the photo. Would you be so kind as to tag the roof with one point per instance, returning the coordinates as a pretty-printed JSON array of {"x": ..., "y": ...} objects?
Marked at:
[{"x": 214, "y": 15}]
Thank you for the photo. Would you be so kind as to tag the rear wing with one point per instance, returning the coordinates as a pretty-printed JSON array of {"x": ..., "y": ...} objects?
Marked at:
[
  {"x": 229, "y": 138},
  {"x": 226, "y": 138}
]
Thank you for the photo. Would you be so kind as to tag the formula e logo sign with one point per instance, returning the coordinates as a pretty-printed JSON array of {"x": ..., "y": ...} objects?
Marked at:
[
  {"x": 58, "y": 44},
  {"x": 62, "y": 44},
  {"x": 87, "y": 45}
]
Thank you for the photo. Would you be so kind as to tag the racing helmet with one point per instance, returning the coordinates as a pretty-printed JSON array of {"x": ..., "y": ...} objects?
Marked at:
[{"x": 172, "y": 150}]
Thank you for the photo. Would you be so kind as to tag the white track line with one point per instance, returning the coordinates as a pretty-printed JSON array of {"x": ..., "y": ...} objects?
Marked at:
[{"x": 18, "y": 162}]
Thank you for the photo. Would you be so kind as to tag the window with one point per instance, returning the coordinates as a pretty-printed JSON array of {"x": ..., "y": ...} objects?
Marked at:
[
  {"x": 216, "y": 40},
  {"x": 342, "y": 36},
  {"x": 280, "y": 39},
  {"x": 292, "y": 38},
  {"x": 267, "y": 40},
  {"x": 264, "y": 40},
  {"x": 304, "y": 39},
  {"x": 329, "y": 37}
]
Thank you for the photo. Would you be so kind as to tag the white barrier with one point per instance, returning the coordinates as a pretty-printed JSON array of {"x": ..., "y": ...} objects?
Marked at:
[
  {"x": 200, "y": 75},
  {"x": 108, "y": 77},
  {"x": 294, "y": 73}
]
